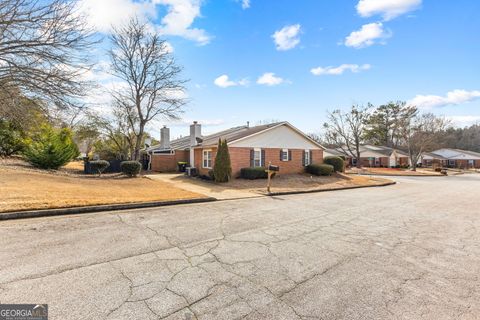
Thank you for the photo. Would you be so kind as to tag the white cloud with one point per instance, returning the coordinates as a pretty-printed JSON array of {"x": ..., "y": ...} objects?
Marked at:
[
  {"x": 105, "y": 14},
  {"x": 181, "y": 14},
  {"x": 287, "y": 37},
  {"x": 269, "y": 79},
  {"x": 245, "y": 4},
  {"x": 454, "y": 97},
  {"x": 179, "y": 19},
  {"x": 367, "y": 35},
  {"x": 223, "y": 81},
  {"x": 388, "y": 9},
  {"x": 463, "y": 121},
  {"x": 340, "y": 69}
]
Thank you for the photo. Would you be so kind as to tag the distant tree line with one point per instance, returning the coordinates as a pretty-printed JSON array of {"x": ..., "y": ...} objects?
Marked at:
[{"x": 395, "y": 125}]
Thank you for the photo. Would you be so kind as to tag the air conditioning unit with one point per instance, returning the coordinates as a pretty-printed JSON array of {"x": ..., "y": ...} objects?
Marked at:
[{"x": 191, "y": 171}]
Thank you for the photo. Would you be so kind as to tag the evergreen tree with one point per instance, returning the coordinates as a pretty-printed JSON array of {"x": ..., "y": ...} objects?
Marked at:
[
  {"x": 222, "y": 170},
  {"x": 51, "y": 148}
]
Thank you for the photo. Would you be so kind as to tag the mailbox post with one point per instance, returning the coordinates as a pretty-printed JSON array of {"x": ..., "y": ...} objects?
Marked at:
[{"x": 271, "y": 169}]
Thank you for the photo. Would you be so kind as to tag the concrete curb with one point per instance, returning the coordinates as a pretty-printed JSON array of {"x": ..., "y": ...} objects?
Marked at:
[
  {"x": 89, "y": 209},
  {"x": 327, "y": 190},
  {"x": 399, "y": 175}
]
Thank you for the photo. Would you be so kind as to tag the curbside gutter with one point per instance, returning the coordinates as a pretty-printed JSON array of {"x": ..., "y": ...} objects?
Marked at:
[
  {"x": 89, "y": 209},
  {"x": 327, "y": 190}
]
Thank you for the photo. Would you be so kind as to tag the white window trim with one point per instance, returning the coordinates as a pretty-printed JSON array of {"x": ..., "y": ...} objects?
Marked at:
[
  {"x": 308, "y": 159},
  {"x": 204, "y": 152},
  {"x": 284, "y": 152},
  {"x": 255, "y": 150}
]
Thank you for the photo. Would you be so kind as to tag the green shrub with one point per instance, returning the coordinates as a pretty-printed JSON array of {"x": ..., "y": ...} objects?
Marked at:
[
  {"x": 131, "y": 168},
  {"x": 51, "y": 148},
  {"x": 337, "y": 163},
  {"x": 253, "y": 173},
  {"x": 222, "y": 169},
  {"x": 320, "y": 169},
  {"x": 211, "y": 174},
  {"x": 99, "y": 166},
  {"x": 11, "y": 141}
]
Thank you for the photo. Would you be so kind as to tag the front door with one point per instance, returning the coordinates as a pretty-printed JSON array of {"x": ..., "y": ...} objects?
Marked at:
[{"x": 392, "y": 162}]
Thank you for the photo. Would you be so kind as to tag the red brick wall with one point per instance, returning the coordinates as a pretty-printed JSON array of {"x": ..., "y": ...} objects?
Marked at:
[
  {"x": 240, "y": 158},
  {"x": 168, "y": 163}
]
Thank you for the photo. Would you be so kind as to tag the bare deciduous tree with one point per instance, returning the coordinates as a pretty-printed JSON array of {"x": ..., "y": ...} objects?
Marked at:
[
  {"x": 153, "y": 89},
  {"x": 422, "y": 134},
  {"x": 346, "y": 129},
  {"x": 43, "y": 47}
]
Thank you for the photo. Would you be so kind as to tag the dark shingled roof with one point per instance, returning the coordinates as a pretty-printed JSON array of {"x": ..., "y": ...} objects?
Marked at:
[{"x": 231, "y": 134}]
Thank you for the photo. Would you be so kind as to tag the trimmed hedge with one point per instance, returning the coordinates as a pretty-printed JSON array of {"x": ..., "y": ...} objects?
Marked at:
[
  {"x": 253, "y": 173},
  {"x": 131, "y": 168},
  {"x": 337, "y": 163},
  {"x": 99, "y": 166},
  {"x": 320, "y": 169}
]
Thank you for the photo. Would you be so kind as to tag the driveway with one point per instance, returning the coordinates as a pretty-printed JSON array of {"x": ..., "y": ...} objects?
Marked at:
[{"x": 409, "y": 251}]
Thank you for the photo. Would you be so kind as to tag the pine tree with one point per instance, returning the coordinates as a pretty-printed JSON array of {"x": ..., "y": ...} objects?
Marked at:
[{"x": 222, "y": 170}]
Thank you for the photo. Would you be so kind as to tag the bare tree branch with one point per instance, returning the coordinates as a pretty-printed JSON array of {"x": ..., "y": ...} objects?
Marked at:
[
  {"x": 152, "y": 85},
  {"x": 43, "y": 50}
]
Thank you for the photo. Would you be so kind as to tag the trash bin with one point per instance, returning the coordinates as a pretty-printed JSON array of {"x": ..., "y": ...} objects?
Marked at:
[{"x": 182, "y": 166}]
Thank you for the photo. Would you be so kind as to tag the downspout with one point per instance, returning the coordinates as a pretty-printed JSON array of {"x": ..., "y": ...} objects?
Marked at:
[{"x": 149, "y": 166}]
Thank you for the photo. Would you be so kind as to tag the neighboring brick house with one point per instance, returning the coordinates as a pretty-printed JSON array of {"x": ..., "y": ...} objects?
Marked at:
[
  {"x": 452, "y": 158},
  {"x": 373, "y": 156},
  {"x": 278, "y": 143}
]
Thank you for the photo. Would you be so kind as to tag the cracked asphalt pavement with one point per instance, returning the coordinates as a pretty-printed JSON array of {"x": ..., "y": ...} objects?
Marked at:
[{"x": 408, "y": 251}]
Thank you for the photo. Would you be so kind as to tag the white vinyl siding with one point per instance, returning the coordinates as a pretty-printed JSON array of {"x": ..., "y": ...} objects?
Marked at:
[{"x": 207, "y": 159}]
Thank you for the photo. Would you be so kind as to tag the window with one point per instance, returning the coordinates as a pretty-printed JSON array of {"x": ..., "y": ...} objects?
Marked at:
[
  {"x": 451, "y": 163},
  {"x": 285, "y": 155},
  {"x": 257, "y": 157},
  {"x": 207, "y": 159},
  {"x": 354, "y": 161},
  {"x": 307, "y": 158}
]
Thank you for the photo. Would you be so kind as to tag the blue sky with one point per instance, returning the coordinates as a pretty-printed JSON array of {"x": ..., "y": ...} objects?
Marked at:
[{"x": 326, "y": 54}]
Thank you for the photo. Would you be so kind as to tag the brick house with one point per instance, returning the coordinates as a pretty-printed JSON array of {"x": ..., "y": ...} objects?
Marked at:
[
  {"x": 277, "y": 143},
  {"x": 373, "y": 156},
  {"x": 452, "y": 158}
]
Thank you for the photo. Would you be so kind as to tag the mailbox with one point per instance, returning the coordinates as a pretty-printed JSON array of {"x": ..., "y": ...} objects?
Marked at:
[{"x": 273, "y": 168}]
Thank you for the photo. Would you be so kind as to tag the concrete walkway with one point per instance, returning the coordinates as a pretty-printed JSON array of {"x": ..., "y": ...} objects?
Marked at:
[{"x": 210, "y": 190}]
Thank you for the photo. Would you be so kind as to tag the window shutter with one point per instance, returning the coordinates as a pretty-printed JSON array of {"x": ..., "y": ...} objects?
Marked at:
[
  {"x": 303, "y": 158},
  {"x": 281, "y": 152},
  {"x": 252, "y": 155},
  {"x": 289, "y": 155},
  {"x": 311, "y": 157},
  {"x": 263, "y": 158}
]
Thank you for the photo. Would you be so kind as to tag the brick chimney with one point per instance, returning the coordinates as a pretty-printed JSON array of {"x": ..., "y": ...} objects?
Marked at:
[{"x": 165, "y": 138}]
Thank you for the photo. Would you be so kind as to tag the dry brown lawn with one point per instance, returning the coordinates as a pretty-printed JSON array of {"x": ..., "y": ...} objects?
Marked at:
[
  {"x": 281, "y": 183},
  {"x": 26, "y": 188},
  {"x": 306, "y": 182}
]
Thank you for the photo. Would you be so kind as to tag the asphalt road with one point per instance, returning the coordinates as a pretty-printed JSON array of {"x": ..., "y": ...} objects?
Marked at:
[{"x": 409, "y": 251}]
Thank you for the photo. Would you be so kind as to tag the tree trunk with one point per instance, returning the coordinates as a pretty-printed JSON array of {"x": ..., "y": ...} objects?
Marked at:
[{"x": 138, "y": 143}]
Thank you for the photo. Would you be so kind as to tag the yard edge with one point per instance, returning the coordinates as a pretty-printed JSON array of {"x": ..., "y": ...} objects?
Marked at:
[
  {"x": 90, "y": 209},
  {"x": 282, "y": 193}
]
